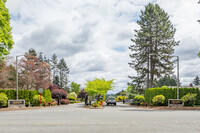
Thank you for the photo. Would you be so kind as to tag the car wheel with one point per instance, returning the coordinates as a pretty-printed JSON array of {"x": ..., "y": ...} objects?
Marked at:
[
  {"x": 107, "y": 104},
  {"x": 115, "y": 104}
]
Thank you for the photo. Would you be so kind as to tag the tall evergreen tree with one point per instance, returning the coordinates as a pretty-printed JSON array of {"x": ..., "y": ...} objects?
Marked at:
[
  {"x": 196, "y": 81},
  {"x": 54, "y": 63},
  {"x": 6, "y": 41},
  {"x": 166, "y": 81},
  {"x": 153, "y": 44},
  {"x": 64, "y": 71},
  {"x": 56, "y": 80},
  {"x": 40, "y": 57}
]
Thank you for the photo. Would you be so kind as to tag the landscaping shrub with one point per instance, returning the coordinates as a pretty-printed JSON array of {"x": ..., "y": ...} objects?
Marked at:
[
  {"x": 120, "y": 98},
  {"x": 131, "y": 95},
  {"x": 96, "y": 104},
  {"x": 189, "y": 99},
  {"x": 73, "y": 94},
  {"x": 71, "y": 98},
  {"x": 59, "y": 94},
  {"x": 139, "y": 99},
  {"x": 64, "y": 101},
  {"x": 36, "y": 100},
  {"x": 31, "y": 95},
  {"x": 170, "y": 93},
  {"x": 3, "y": 100},
  {"x": 158, "y": 100},
  {"x": 72, "y": 101},
  {"x": 47, "y": 95},
  {"x": 24, "y": 94}
]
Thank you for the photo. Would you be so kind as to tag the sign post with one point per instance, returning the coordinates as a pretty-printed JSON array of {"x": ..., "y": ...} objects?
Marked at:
[{"x": 40, "y": 91}]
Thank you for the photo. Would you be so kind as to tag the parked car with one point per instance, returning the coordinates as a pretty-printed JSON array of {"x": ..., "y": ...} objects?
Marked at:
[{"x": 111, "y": 100}]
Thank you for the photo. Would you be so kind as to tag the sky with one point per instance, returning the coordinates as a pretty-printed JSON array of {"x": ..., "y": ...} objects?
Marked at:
[{"x": 93, "y": 36}]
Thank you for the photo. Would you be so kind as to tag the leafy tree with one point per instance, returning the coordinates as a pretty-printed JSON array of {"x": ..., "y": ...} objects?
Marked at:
[
  {"x": 153, "y": 45},
  {"x": 166, "y": 81},
  {"x": 99, "y": 87},
  {"x": 196, "y": 81},
  {"x": 75, "y": 87},
  {"x": 82, "y": 94},
  {"x": 7, "y": 74},
  {"x": 132, "y": 89},
  {"x": 6, "y": 41},
  {"x": 64, "y": 71},
  {"x": 33, "y": 73}
]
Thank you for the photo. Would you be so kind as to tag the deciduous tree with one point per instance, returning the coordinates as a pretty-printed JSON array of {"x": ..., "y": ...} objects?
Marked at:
[
  {"x": 99, "y": 87},
  {"x": 6, "y": 41}
]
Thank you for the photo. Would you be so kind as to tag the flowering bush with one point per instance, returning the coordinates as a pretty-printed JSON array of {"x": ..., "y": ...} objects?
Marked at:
[
  {"x": 54, "y": 103},
  {"x": 120, "y": 98},
  {"x": 139, "y": 99},
  {"x": 36, "y": 100},
  {"x": 96, "y": 104},
  {"x": 71, "y": 98},
  {"x": 73, "y": 94},
  {"x": 189, "y": 99},
  {"x": 64, "y": 101},
  {"x": 158, "y": 100},
  {"x": 100, "y": 102},
  {"x": 3, "y": 100}
]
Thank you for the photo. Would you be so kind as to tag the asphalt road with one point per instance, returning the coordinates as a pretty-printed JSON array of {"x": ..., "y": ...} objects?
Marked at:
[{"x": 74, "y": 118}]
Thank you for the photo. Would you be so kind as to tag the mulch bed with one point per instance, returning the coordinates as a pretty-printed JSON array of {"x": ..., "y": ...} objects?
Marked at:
[{"x": 168, "y": 108}]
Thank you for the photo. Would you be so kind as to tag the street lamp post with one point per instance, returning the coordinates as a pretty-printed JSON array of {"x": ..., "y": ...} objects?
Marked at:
[
  {"x": 17, "y": 75},
  {"x": 177, "y": 76}
]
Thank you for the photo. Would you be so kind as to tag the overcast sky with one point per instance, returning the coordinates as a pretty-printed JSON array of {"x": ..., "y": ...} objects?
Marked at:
[{"x": 94, "y": 35}]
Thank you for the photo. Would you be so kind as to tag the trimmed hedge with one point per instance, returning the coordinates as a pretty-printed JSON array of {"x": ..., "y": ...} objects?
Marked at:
[
  {"x": 170, "y": 93},
  {"x": 26, "y": 95},
  {"x": 47, "y": 95}
]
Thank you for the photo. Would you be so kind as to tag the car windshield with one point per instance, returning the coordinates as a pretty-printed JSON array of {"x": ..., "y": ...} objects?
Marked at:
[{"x": 111, "y": 99}]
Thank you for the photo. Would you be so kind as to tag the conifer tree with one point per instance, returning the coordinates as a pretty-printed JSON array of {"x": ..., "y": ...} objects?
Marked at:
[
  {"x": 153, "y": 44},
  {"x": 196, "y": 81},
  {"x": 64, "y": 71}
]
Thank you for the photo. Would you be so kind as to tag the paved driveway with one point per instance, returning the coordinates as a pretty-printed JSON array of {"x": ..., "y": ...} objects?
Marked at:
[{"x": 74, "y": 118}]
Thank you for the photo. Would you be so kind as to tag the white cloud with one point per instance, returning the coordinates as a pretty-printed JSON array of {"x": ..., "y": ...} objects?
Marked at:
[{"x": 94, "y": 36}]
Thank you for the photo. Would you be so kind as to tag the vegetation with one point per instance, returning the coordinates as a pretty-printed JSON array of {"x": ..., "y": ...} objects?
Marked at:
[
  {"x": 153, "y": 44},
  {"x": 170, "y": 93},
  {"x": 75, "y": 87},
  {"x": 6, "y": 40},
  {"x": 99, "y": 87},
  {"x": 82, "y": 94},
  {"x": 166, "y": 81},
  {"x": 73, "y": 94},
  {"x": 139, "y": 100},
  {"x": 189, "y": 99},
  {"x": 196, "y": 81},
  {"x": 64, "y": 101},
  {"x": 158, "y": 100},
  {"x": 3, "y": 100},
  {"x": 59, "y": 94},
  {"x": 36, "y": 100}
]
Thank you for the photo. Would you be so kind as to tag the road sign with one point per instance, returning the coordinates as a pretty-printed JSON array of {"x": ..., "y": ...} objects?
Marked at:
[{"x": 40, "y": 90}]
